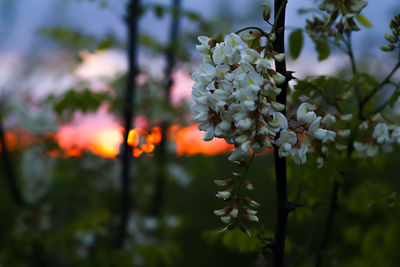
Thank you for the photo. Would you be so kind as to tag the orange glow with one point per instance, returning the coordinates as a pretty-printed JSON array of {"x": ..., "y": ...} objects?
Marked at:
[
  {"x": 106, "y": 143},
  {"x": 189, "y": 141},
  {"x": 18, "y": 139}
]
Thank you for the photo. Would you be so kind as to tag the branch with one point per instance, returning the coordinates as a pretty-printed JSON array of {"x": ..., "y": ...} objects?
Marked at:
[
  {"x": 280, "y": 163},
  {"x": 125, "y": 198},
  {"x": 170, "y": 55}
]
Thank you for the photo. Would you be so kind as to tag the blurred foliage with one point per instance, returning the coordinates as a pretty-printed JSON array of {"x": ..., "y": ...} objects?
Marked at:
[{"x": 76, "y": 40}]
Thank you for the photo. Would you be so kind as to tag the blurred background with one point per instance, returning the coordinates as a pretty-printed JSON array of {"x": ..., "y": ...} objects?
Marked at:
[{"x": 63, "y": 70}]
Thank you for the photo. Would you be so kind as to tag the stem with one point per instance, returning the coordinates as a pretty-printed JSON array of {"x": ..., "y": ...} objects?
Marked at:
[
  {"x": 350, "y": 53},
  {"x": 125, "y": 198},
  {"x": 8, "y": 169},
  {"x": 162, "y": 148},
  {"x": 332, "y": 209},
  {"x": 252, "y": 28},
  {"x": 280, "y": 163},
  {"x": 328, "y": 223}
]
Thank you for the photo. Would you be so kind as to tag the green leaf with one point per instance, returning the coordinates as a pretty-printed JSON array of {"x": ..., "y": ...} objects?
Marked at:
[
  {"x": 363, "y": 21},
  {"x": 159, "y": 11},
  {"x": 193, "y": 16},
  {"x": 323, "y": 49},
  {"x": 295, "y": 43}
]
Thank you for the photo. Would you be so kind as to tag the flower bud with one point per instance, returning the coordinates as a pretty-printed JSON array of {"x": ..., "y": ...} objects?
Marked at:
[
  {"x": 245, "y": 230},
  {"x": 234, "y": 213},
  {"x": 266, "y": 11},
  {"x": 223, "y": 182},
  {"x": 363, "y": 125},
  {"x": 320, "y": 162},
  {"x": 250, "y": 211},
  {"x": 387, "y": 48},
  {"x": 346, "y": 117},
  {"x": 279, "y": 57},
  {"x": 340, "y": 147},
  {"x": 224, "y": 195},
  {"x": 390, "y": 38},
  {"x": 246, "y": 37},
  {"x": 277, "y": 106},
  {"x": 272, "y": 37},
  {"x": 227, "y": 228},
  {"x": 250, "y": 202},
  {"x": 226, "y": 219},
  {"x": 248, "y": 185},
  {"x": 344, "y": 133},
  {"x": 278, "y": 78},
  {"x": 245, "y": 146},
  {"x": 220, "y": 212}
]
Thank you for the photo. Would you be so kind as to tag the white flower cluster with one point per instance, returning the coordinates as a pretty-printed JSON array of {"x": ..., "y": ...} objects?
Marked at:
[
  {"x": 234, "y": 92},
  {"x": 381, "y": 139},
  {"x": 288, "y": 141}
]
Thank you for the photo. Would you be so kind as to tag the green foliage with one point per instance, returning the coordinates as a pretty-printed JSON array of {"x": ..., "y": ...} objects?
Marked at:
[
  {"x": 84, "y": 100},
  {"x": 235, "y": 240},
  {"x": 76, "y": 40},
  {"x": 295, "y": 43},
  {"x": 323, "y": 49}
]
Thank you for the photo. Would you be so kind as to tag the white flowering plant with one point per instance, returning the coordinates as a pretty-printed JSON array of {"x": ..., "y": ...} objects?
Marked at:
[{"x": 239, "y": 97}]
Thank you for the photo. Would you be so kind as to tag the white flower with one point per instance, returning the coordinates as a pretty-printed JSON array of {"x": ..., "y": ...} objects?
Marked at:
[
  {"x": 381, "y": 133},
  {"x": 204, "y": 47},
  {"x": 226, "y": 219},
  {"x": 263, "y": 65},
  {"x": 285, "y": 142},
  {"x": 299, "y": 154},
  {"x": 251, "y": 55},
  {"x": 329, "y": 136},
  {"x": 233, "y": 42},
  {"x": 200, "y": 113},
  {"x": 279, "y": 120},
  {"x": 361, "y": 149},
  {"x": 223, "y": 194},
  {"x": 280, "y": 57},
  {"x": 209, "y": 135},
  {"x": 396, "y": 135},
  {"x": 344, "y": 133},
  {"x": 244, "y": 124},
  {"x": 220, "y": 212},
  {"x": 206, "y": 72},
  {"x": 328, "y": 120},
  {"x": 304, "y": 115},
  {"x": 278, "y": 78}
]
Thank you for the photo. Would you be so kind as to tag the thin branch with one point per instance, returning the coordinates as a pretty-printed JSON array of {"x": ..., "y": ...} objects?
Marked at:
[
  {"x": 350, "y": 53},
  {"x": 282, "y": 210},
  {"x": 378, "y": 88},
  {"x": 125, "y": 202}
]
